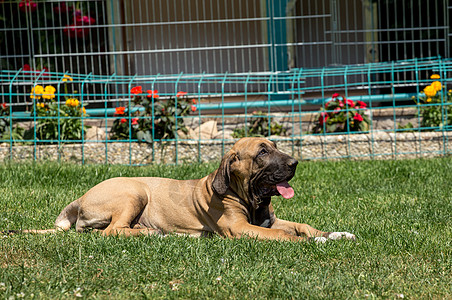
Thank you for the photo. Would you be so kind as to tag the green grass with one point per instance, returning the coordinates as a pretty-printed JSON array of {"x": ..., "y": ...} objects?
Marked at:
[{"x": 399, "y": 210}]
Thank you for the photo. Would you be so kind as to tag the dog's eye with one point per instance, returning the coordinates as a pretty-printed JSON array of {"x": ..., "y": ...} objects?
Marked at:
[{"x": 262, "y": 152}]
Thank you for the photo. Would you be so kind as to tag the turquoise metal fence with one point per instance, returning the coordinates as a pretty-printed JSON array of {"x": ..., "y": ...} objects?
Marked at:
[
  {"x": 167, "y": 37},
  {"x": 379, "y": 110}
]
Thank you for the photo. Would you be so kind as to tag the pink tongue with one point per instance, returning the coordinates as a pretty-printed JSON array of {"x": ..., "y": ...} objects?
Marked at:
[{"x": 285, "y": 190}]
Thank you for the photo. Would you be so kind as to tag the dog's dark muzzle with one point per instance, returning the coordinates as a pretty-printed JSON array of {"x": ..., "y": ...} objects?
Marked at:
[{"x": 279, "y": 172}]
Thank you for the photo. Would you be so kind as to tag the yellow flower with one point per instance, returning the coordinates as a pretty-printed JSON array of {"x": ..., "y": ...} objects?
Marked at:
[
  {"x": 436, "y": 85},
  {"x": 72, "y": 102},
  {"x": 429, "y": 99},
  {"x": 41, "y": 105},
  {"x": 83, "y": 110},
  {"x": 49, "y": 92},
  {"x": 435, "y": 76},
  {"x": 66, "y": 78},
  {"x": 430, "y": 91},
  {"x": 36, "y": 92}
]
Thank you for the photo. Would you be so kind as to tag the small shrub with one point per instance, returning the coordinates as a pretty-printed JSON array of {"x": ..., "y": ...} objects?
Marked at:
[
  {"x": 259, "y": 127},
  {"x": 342, "y": 115},
  {"x": 6, "y": 132},
  {"x": 56, "y": 121},
  {"x": 152, "y": 117},
  {"x": 120, "y": 128},
  {"x": 433, "y": 114}
]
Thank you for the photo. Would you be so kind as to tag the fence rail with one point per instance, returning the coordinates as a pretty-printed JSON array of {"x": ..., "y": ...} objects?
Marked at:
[
  {"x": 168, "y": 37},
  {"x": 331, "y": 112}
]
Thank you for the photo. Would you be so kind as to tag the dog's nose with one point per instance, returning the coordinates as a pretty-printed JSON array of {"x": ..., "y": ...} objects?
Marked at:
[{"x": 293, "y": 163}]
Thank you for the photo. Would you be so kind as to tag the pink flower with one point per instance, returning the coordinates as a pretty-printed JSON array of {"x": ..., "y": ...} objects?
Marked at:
[
  {"x": 135, "y": 121},
  {"x": 335, "y": 95},
  {"x": 27, "y": 5},
  {"x": 341, "y": 103},
  {"x": 337, "y": 110},
  {"x": 358, "y": 117}
]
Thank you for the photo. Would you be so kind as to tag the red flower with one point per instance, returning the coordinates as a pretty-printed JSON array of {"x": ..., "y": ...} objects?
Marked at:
[
  {"x": 135, "y": 121},
  {"x": 350, "y": 102},
  {"x": 358, "y": 117},
  {"x": 361, "y": 104},
  {"x": 335, "y": 95},
  {"x": 27, "y": 5},
  {"x": 62, "y": 8},
  {"x": 78, "y": 29},
  {"x": 136, "y": 90},
  {"x": 77, "y": 13},
  {"x": 4, "y": 106},
  {"x": 26, "y": 67},
  {"x": 323, "y": 117},
  {"x": 120, "y": 110},
  {"x": 123, "y": 121},
  {"x": 74, "y": 31},
  {"x": 85, "y": 20},
  {"x": 193, "y": 108},
  {"x": 193, "y": 101},
  {"x": 327, "y": 104},
  {"x": 181, "y": 94},
  {"x": 152, "y": 93}
]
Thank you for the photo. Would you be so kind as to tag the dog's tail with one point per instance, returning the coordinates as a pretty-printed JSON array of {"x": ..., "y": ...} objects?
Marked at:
[
  {"x": 64, "y": 221},
  {"x": 68, "y": 216}
]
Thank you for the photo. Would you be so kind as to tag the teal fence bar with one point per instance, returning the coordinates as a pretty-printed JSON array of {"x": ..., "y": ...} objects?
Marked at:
[{"x": 319, "y": 113}]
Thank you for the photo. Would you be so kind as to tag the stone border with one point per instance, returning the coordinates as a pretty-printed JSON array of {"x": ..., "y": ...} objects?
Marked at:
[{"x": 375, "y": 145}]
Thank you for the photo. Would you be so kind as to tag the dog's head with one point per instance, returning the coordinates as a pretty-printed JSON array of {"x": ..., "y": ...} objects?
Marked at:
[{"x": 255, "y": 170}]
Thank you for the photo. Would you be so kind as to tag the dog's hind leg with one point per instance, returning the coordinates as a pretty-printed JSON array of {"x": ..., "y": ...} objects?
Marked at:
[{"x": 121, "y": 222}]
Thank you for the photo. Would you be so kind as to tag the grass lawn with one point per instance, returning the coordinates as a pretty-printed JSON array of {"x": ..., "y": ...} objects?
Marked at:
[{"x": 400, "y": 212}]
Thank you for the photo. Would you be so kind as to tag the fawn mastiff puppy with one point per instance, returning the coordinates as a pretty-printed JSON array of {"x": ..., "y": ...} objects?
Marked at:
[{"x": 233, "y": 201}]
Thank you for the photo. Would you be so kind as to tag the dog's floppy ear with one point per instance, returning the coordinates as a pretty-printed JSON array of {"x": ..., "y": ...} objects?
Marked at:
[{"x": 220, "y": 183}]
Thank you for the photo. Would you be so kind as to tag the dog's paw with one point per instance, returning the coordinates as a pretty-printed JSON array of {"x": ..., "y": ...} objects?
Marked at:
[
  {"x": 341, "y": 235},
  {"x": 320, "y": 239}
]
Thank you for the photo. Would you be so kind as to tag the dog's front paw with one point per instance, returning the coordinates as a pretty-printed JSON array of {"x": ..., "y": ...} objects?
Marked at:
[
  {"x": 320, "y": 239},
  {"x": 341, "y": 235}
]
